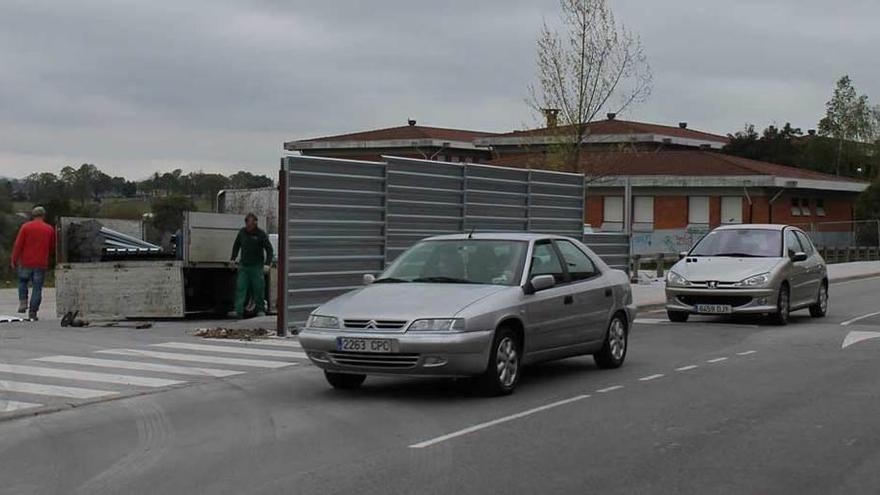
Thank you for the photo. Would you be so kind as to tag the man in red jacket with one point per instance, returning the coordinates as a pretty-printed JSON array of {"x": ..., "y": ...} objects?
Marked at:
[{"x": 30, "y": 255}]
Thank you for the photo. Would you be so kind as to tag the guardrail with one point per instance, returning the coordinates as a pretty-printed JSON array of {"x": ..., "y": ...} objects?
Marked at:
[{"x": 849, "y": 254}]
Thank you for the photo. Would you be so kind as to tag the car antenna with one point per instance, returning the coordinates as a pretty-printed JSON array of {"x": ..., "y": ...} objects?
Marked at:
[{"x": 471, "y": 233}]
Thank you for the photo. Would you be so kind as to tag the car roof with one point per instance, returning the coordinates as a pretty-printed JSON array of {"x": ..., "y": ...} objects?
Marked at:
[
  {"x": 754, "y": 226},
  {"x": 497, "y": 236}
]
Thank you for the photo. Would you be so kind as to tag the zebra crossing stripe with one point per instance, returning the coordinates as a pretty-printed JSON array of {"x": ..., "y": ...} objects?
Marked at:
[
  {"x": 52, "y": 390},
  {"x": 14, "y": 405},
  {"x": 87, "y": 376},
  {"x": 197, "y": 358},
  {"x": 266, "y": 342},
  {"x": 140, "y": 366},
  {"x": 231, "y": 350}
]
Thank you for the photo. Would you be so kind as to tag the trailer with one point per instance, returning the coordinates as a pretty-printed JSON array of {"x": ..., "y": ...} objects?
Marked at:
[{"x": 105, "y": 274}]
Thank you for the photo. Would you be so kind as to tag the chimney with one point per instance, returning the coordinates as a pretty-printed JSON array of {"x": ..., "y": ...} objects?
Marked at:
[
  {"x": 611, "y": 115},
  {"x": 551, "y": 115},
  {"x": 411, "y": 122},
  {"x": 682, "y": 125},
  {"x": 811, "y": 132}
]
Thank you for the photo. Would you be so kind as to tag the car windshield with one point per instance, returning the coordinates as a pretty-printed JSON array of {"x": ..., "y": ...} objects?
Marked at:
[
  {"x": 463, "y": 261},
  {"x": 740, "y": 243}
]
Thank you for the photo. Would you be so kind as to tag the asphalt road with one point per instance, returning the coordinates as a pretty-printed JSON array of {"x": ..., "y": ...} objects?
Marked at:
[{"x": 710, "y": 406}]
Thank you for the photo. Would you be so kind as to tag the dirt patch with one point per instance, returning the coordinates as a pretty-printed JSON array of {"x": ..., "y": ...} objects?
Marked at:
[{"x": 234, "y": 333}]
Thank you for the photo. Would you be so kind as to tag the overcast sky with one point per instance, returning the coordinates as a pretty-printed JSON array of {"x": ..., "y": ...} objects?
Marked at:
[{"x": 136, "y": 86}]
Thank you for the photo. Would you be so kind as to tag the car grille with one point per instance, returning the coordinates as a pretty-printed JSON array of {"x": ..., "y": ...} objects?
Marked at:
[
  {"x": 693, "y": 300},
  {"x": 375, "y": 324},
  {"x": 365, "y": 360}
]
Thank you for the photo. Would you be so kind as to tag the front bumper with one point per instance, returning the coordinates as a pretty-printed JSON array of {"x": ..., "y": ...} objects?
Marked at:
[
  {"x": 456, "y": 354},
  {"x": 742, "y": 301}
]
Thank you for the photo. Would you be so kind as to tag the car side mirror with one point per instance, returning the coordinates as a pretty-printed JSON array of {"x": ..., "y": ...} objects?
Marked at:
[
  {"x": 369, "y": 278},
  {"x": 799, "y": 256},
  {"x": 540, "y": 282},
  {"x": 682, "y": 255}
]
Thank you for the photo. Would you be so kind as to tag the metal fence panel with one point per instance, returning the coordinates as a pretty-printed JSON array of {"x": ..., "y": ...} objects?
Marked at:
[
  {"x": 612, "y": 248},
  {"x": 346, "y": 218}
]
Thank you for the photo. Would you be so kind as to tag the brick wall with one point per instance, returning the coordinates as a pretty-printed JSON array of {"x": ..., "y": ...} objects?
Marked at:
[
  {"x": 670, "y": 212},
  {"x": 714, "y": 211},
  {"x": 595, "y": 211}
]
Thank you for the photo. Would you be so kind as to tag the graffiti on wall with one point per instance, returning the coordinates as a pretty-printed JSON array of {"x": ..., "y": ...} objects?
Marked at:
[{"x": 667, "y": 241}]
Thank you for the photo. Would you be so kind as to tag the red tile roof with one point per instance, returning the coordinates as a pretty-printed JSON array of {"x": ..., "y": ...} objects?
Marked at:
[
  {"x": 622, "y": 127},
  {"x": 407, "y": 132},
  {"x": 679, "y": 163}
]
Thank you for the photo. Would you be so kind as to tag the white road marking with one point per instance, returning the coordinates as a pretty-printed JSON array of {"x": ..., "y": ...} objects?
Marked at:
[
  {"x": 87, "y": 376},
  {"x": 268, "y": 342},
  {"x": 687, "y": 368},
  {"x": 651, "y": 321},
  {"x": 13, "y": 405},
  {"x": 52, "y": 390},
  {"x": 650, "y": 377},
  {"x": 864, "y": 279},
  {"x": 494, "y": 422},
  {"x": 232, "y": 350},
  {"x": 717, "y": 360},
  {"x": 609, "y": 389},
  {"x": 136, "y": 365},
  {"x": 197, "y": 358},
  {"x": 859, "y": 318},
  {"x": 855, "y": 337},
  {"x": 745, "y": 353}
]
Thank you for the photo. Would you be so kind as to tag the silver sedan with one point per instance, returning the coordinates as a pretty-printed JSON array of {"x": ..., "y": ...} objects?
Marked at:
[
  {"x": 480, "y": 305},
  {"x": 749, "y": 269}
]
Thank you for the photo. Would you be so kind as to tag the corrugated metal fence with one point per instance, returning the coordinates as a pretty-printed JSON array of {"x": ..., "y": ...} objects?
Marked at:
[{"x": 346, "y": 218}]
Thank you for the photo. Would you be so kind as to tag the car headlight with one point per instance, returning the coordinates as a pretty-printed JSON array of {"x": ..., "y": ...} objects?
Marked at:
[
  {"x": 756, "y": 281},
  {"x": 673, "y": 278},
  {"x": 318, "y": 321},
  {"x": 437, "y": 325}
]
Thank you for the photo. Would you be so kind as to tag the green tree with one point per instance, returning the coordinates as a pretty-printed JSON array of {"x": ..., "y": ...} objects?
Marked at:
[
  {"x": 168, "y": 212},
  {"x": 82, "y": 181},
  {"x": 246, "y": 180},
  {"x": 849, "y": 119}
]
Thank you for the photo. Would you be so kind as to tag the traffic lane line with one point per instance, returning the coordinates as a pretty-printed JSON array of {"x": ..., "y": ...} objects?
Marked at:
[
  {"x": 52, "y": 390},
  {"x": 87, "y": 376},
  {"x": 186, "y": 346},
  {"x": 505, "y": 419},
  {"x": 14, "y": 405},
  {"x": 197, "y": 358},
  {"x": 495, "y": 422},
  {"x": 266, "y": 342},
  {"x": 140, "y": 366},
  {"x": 859, "y": 318}
]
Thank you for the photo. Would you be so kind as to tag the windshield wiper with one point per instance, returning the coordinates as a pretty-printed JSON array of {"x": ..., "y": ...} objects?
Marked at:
[
  {"x": 444, "y": 280},
  {"x": 390, "y": 280},
  {"x": 739, "y": 255}
]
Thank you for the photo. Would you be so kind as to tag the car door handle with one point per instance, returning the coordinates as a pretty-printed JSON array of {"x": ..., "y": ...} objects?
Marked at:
[
  {"x": 568, "y": 300},
  {"x": 608, "y": 292}
]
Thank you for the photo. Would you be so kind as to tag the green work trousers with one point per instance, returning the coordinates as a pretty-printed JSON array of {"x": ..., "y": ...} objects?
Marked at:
[{"x": 250, "y": 281}]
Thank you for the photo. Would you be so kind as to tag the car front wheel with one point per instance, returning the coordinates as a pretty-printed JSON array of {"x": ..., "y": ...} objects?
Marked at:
[
  {"x": 820, "y": 309},
  {"x": 344, "y": 381},
  {"x": 783, "y": 307},
  {"x": 504, "y": 369},
  {"x": 613, "y": 351}
]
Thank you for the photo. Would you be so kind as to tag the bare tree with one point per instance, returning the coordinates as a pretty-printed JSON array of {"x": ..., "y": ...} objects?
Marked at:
[
  {"x": 849, "y": 118},
  {"x": 590, "y": 65}
]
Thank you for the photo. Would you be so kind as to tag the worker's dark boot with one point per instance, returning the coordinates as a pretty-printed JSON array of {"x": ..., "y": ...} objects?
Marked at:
[
  {"x": 23, "y": 306},
  {"x": 32, "y": 315}
]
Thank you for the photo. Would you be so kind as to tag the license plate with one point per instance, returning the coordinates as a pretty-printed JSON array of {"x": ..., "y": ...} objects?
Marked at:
[
  {"x": 355, "y": 344},
  {"x": 714, "y": 308}
]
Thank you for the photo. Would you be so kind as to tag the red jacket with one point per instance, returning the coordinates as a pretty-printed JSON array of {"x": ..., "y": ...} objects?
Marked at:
[{"x": 35, "y": 240}]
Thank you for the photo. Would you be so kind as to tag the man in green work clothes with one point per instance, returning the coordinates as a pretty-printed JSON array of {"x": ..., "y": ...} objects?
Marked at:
[{"x": 253, "y": 243}]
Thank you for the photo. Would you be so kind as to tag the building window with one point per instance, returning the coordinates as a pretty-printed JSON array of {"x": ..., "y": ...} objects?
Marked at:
[
  {"x": 795, "y": 207},
  {"x": 805, "y": 206},
  {"x": 612, "y": 214},
  {"x": 643, "y": 213},
  {"x": 731, "y": 209},
  {"x": 455, "y": 159},
  {"x": 698, "y": 210},
  {"x": 820, "y": 207}
]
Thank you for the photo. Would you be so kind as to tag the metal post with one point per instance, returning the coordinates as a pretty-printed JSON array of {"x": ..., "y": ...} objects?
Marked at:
[
  {"x": 627, "y": 206},
  {"x": 281, "y": 267},
  {"x": 660, "y": 267}
]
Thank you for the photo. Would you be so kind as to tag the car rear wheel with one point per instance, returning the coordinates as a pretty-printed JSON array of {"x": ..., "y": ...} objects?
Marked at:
[
  {"x": 613, "y": 351},
  {"x": 504, "y": 368},
  {"x": 820, "y": 309},
  {"x": 344, "y": 381},
  {"x": 783, "y": 306},
  {"x": 677, "y": 316}
]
